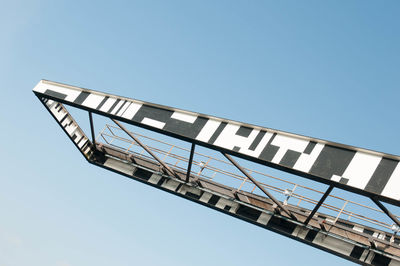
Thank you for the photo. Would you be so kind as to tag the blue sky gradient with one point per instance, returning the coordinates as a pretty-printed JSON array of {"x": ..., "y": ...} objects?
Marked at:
[{"x": 327, "y": 69}]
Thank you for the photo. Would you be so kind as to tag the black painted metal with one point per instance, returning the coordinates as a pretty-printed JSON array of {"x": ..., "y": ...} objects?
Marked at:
[
  {"x": 277, "y": 202},
  {"x": 326, "y": 194},
  {"x": 234, "y": 153},
  {"x": 376, "y": 259},
  {"x": 166, "y": 167},
  {"x": 92, "y": 129},
  {"x": 385, "y": 210},
  {"x": 190, "y": 162}
]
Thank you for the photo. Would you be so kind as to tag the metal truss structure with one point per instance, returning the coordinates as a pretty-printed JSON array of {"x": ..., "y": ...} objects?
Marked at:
[{"x": 311, "y": 214}]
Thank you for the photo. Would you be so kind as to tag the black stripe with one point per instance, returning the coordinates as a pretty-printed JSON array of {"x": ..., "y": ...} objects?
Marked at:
[
  {"x": 58, "y": 95},
  {"x": 227, "y": 208},
  {"x": 381, "y": 176},
  {"x": 281, "y": 225},
  {"x": 62, "y": 119},
  {"x": 356, "y": 252},
  {"x": 244, "y": 131},
  {"x": 184, "y": 128},
  {"x": 81, "y": 97},
  {"x": 217, "y": 132},
  {"x": 380, "y": 260},
  {"x": 269, "y": 150},
  {"x": 192, "y": 195},
  {"x": 290, "y": 158},
  {"x": 257, "y": 140},
  {"x": 310, "y": 147},
  {"x": 213, "y": 200},
  {"x": 332, "y": 161},
  {"x": 129, "y": 103},
  {"x": 161, "y": 181},
  {"x": 248, "y": 212},
  {"x": 142, "y": 174},
  {"x": 178, "y": 187},
  {"x": 113, "y": 106},
  {"x": 367, "y": 231},
  {"x": 84, "y": 145},
  {"x": 152, "y": 112},
  {"x": 236, "y": 148},
  {"x": 102, "y": 103},
  {"x": 120, "y": 107},
  {"x": 77, "y": 143},
  {"x": 311, "y": 235}
]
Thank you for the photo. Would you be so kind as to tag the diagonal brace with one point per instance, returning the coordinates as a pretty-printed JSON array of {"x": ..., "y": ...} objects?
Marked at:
[
  {"x": 277, "y": 202},
  {"x": 166, "y": 167},
  {"x": 326, "y": 194},
  {"x": 385, "y": 210}
]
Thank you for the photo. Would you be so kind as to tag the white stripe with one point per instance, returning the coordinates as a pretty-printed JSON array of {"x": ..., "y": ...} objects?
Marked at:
[
  {"x": 83, "y": 141},
  {"x": 360, "y": 169},
  {"x": 153, "y": 123},
  {"x": 93, "y": 100},
  {"x": 208, "y": 130},
  {"x": 286, "y": 143},
  {"x": 107, "y": 105},
  {"x": 71, "y": 129},
  {"x": 336, "y": 178},
  {"x": 184, "y": 117},
  {"x": 71, "y": 94},
  {"x": 132, "y": 110},
  {"x": 228, "y": 138},
  {"x": 306, "y": 161},
  {"x": 257, "y": 151},
  {"x": 117, "y": 107},
  {"x": 78, "y": 136},
  {"x": 392, "y": 187},
  {"x": 126, "y": 105}
]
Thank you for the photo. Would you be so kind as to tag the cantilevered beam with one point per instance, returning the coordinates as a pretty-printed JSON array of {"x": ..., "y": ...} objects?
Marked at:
[
  {"x": 317, "y": 160},
  {"x": 277, "y": 202}
]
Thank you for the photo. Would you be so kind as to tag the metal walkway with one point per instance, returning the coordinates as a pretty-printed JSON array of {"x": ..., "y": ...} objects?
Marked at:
[{"x": 360, "y": 232}]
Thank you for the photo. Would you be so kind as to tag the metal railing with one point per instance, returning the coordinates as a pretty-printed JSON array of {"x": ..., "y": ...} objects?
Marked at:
[{"x": 210, "y": 168}]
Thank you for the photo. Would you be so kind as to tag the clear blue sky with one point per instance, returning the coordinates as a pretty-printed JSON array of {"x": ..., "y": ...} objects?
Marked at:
[{"x": 327, "y": 69}]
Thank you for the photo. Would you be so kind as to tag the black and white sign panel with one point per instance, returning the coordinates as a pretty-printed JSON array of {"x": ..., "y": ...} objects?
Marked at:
[{"x": 356, "y": 169}]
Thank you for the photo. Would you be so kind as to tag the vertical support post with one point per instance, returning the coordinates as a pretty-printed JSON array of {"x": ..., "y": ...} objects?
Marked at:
[
  {"x": 326, "y": 194},
  {"x": 189, "y": 169},
  {"x": 92, "y": 129}
]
